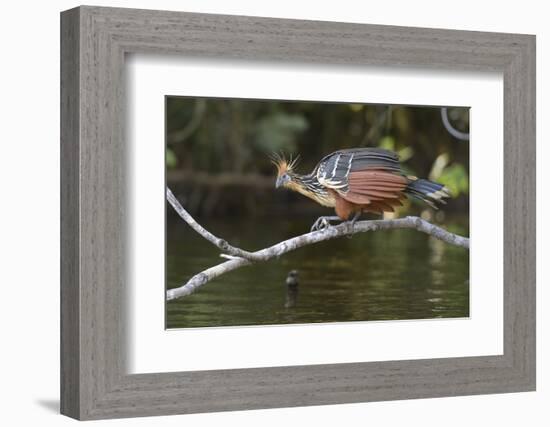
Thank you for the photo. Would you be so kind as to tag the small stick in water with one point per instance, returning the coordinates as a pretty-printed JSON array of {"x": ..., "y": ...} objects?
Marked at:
[{"x": 291, "y": 288}]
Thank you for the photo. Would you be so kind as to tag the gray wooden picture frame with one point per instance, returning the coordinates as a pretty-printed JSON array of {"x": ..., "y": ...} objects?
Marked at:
[{"x": 94, "y": 41}]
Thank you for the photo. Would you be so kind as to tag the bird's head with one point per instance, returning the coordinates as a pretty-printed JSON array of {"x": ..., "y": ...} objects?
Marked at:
[{"x": 285, "y": 170}]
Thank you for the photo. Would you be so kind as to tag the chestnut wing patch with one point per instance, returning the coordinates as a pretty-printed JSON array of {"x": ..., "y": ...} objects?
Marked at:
[{"x": 370, "y": 186}]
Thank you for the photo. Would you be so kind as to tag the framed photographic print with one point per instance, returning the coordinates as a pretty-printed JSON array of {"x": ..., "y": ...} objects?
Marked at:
[{"x": 262, "y": 213}]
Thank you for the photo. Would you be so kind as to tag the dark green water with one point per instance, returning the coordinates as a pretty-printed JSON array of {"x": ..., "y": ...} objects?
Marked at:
[{"x": 385, "y": 275}]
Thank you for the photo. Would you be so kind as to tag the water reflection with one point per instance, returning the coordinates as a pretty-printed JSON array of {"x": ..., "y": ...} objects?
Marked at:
[{"x": 394, "y": 274}]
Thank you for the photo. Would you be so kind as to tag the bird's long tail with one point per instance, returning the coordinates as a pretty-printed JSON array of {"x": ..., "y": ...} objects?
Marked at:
[{"x": 428, "y": 191}]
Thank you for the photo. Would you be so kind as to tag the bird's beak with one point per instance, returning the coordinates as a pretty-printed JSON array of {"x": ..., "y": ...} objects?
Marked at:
[{"x": 279, "y": 182}]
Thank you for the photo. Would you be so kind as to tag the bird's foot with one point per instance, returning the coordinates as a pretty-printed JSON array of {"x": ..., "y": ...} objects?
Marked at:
[
  {"x": 351, "y": 223},
  {"x": 323, "y": 222}
]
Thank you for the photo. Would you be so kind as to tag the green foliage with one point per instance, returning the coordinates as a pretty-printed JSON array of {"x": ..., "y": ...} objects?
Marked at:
[
  {"x": 455, "y": 178},
  {"x": 278, "y": 131},
  {"x": 388, "y": 143},
  {"x": 171, "y": 159},
  {"x": 236, "y": 136}
]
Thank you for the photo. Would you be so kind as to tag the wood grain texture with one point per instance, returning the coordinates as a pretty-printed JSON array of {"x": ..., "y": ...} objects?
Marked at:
[
  {"x": 94, "y": 272},
  {"x": 70, "y": 292}
]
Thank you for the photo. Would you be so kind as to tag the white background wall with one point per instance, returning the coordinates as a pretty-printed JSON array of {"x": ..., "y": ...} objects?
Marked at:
[{"x": 29, "y": 212}]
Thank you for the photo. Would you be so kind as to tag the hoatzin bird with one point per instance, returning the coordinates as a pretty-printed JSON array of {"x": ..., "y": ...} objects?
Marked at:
[{"x": 357, "y": 180}]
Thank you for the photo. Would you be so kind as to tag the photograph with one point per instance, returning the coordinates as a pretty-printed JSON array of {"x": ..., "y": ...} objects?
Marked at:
[
  {"x": 326, "y": 214},
  {"x": 279, "y": 176}
]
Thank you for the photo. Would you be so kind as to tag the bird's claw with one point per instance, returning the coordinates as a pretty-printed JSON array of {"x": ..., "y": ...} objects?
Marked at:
[
  {"x": 322, "y": 223},
  {"x": 351, "y": 224}
]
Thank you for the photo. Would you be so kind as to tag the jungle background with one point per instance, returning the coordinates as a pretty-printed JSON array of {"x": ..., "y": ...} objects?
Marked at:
[{"x": 218, "y": 166}]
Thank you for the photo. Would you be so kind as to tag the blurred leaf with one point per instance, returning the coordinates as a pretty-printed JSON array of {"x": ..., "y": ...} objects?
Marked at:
[
  {"x": 455, "y": 178},
  {"x": 405, "y": 153},
  {"x": 278, "y": 131},
  {"x": 387, "y": 142},
  {"x": 439, "y": 164},
  {"x": 356, "y": 107},
  {"x": 171, "y": 159}
]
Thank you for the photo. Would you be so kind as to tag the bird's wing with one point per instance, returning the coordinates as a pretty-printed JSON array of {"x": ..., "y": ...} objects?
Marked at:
[
  {"x": 376, "y": 185},
  {"x": 363, "y": 175}
]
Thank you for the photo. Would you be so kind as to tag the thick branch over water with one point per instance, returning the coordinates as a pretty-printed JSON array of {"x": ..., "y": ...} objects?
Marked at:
[{"x": 240, "y": 258}]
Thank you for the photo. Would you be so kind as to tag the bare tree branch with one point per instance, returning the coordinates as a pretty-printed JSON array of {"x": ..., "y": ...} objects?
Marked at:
[
  {"x": 220, "y": 243},
  {"x": 239, "y": 258}
]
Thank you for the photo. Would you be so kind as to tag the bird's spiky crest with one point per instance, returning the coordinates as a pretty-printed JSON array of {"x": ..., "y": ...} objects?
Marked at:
[{"x": 283, "y": 164}]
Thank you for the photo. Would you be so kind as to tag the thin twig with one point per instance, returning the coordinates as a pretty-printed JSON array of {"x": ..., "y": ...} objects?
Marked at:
[
  {"x": 220, "y": 243},
  {"x": 236, "y": 261}
]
